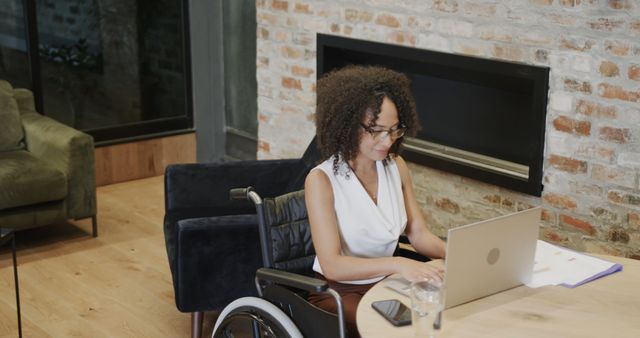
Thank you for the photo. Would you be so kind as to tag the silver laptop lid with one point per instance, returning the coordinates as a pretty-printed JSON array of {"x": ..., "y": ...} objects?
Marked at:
[{"x": 490, "y": 256}]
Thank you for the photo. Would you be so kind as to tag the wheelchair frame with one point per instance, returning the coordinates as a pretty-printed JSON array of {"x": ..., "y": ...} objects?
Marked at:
[{"x": 267, "y": 313}]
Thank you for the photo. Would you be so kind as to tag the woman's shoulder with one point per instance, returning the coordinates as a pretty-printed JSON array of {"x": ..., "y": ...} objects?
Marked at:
[
  {"x": 326, "y": 163},
  {"x": 398, "y": 161},
  {"x": 319, "y": 175},
  {"x": 317, "y": 184},
  {"x": 400, "y": 164},
  {"x": 333, "y": 167},
  {"x": 322, "y": 167}
]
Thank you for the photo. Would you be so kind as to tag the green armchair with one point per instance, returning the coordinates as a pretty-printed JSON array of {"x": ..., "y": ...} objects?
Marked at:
[{"x": 46, "y": 168}]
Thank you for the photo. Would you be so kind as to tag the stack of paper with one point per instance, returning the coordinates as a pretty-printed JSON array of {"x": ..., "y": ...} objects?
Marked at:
[{"x": 555, "y": 265}]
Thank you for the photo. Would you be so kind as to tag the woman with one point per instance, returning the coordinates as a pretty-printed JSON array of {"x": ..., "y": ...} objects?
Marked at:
[{"x": 360, "y": 199}]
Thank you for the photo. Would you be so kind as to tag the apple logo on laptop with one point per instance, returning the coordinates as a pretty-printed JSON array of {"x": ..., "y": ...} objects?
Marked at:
[{"x": 493, "y": 256}]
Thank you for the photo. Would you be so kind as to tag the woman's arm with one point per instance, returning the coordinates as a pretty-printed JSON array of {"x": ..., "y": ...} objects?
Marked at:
[
  {"x": 423, "y": 240},
  {"x": 326, "y": 241}
]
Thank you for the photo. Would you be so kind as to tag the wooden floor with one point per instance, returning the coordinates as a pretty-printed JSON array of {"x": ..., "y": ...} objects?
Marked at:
[{"x": 115, "y": 285}]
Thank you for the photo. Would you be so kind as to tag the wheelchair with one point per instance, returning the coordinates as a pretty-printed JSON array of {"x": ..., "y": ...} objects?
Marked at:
[{"x": 281, "y": 309}]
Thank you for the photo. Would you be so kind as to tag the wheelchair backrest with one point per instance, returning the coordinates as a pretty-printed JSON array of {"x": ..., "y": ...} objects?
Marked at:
[
  {"x": 288, "y": 233},
  {"x": 288, "y": 239}
]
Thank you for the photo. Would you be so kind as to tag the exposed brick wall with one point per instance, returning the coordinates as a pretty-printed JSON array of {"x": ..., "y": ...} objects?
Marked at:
[{"x": 591, "y": 198}]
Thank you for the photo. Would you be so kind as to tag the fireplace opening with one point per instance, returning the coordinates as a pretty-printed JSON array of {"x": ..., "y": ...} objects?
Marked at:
[{"x": 481, "y": 118}]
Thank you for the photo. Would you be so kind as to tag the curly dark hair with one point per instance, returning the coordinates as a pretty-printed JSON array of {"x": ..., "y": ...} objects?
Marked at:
[{"x": 345, "y": 96}]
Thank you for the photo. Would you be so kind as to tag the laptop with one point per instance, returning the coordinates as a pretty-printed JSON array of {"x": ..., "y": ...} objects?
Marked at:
[{"x": 490, "y": 256}]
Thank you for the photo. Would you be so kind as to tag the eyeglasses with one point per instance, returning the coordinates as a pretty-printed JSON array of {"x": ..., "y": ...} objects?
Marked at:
[{"x": 381, "y": 134}]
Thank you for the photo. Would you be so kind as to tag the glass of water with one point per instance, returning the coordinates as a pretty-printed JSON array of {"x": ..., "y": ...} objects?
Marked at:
[{"x": 427, "y": 302}]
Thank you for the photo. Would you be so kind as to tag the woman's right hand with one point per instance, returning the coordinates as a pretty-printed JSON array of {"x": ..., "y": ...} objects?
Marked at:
[{"x": 414, "y": 271}]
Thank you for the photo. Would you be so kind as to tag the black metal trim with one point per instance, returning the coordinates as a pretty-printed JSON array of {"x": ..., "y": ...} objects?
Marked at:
[
  {"x": 441, "y": 64},
  {"x": 186, "y": 46},
  {"x": 141, "y": 129},
  {"x": 6, "y": 235},
  {"x": 33, "y": 52},
  {"x": 122, "y": 133},
  {"x": 143, "y": 137},
  {"x": 15, "y": 281}
]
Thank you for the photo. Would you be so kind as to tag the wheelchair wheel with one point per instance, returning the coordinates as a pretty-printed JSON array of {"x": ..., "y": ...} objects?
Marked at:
[{"x": 253, "y": 313}]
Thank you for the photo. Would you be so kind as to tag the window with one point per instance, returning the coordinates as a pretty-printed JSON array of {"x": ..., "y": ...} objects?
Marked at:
[
  {"x": 117, "y": 69},
  {"x": 14, "y": 60}
]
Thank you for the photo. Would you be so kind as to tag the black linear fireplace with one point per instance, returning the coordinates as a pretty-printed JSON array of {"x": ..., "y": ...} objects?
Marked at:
[{"x": 481, "y": 118}]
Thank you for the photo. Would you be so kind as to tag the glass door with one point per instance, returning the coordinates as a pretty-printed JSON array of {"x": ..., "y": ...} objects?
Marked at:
[{"x": 116, "y": 69}]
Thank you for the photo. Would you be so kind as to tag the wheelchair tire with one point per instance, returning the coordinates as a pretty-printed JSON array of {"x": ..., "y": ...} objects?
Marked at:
[{"x": 268, "y": 316}]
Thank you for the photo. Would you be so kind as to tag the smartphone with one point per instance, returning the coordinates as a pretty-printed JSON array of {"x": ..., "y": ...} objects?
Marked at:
[{"x": 394, "y": 311}]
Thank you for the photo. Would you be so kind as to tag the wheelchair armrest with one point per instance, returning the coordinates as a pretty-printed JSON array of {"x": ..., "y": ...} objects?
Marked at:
[
  {"x": 304, "y": 283},
  {"x": 292, "y": 279}
]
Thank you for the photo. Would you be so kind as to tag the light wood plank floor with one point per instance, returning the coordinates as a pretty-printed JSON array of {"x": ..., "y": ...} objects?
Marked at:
[{"x": 116, "y": 285}]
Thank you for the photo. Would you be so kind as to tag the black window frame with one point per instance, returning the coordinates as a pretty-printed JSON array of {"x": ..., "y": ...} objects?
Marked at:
[{"x": 125, "y": 132}]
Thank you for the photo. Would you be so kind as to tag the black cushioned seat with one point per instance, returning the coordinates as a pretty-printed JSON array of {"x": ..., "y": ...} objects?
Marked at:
[{"x": 212, "y": 242}]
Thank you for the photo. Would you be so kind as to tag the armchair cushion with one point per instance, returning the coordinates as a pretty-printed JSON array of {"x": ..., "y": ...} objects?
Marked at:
[
  {"x": 26, "y": 180},
  {"x": 11, "y": 133}
]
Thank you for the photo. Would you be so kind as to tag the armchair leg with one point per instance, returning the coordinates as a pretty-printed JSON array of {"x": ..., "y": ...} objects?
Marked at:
[
  {"x": 94, "y": 225},
  {"x": 196, "y": 324}
]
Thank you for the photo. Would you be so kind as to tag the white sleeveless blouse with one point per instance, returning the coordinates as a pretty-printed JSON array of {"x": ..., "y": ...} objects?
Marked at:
[{"x": 366, "y": 229}]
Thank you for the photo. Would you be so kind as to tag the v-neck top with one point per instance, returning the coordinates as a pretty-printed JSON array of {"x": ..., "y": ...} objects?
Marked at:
[{"x": 366, "y": 229}]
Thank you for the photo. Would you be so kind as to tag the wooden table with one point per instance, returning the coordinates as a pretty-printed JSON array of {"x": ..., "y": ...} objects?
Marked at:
[{"x": 607, "y": 307}]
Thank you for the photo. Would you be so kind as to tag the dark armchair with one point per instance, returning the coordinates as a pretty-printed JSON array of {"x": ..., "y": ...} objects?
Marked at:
[{"x": 212, "y": 242}]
